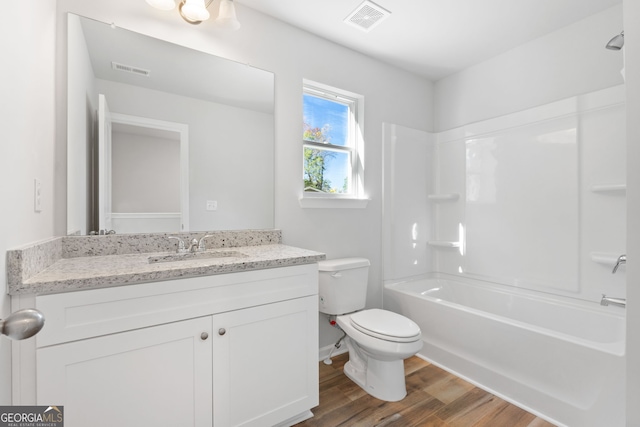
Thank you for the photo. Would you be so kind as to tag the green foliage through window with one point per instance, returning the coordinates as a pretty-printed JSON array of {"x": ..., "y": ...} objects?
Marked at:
[{"x": 327, "y": 139}]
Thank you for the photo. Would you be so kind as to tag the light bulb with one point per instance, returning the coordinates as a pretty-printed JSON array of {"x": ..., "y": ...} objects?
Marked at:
[
  {"x": 162, "y": 4},
  {"x": 227, "y": 16},
  {"x": 195, "y": 10}
]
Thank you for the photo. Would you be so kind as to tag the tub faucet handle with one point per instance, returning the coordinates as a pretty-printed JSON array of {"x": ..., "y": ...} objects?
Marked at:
[{"x": 622, "y": 259}]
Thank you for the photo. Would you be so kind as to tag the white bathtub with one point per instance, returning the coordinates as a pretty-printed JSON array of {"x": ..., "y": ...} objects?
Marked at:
[{"x": 560, "y": 359}]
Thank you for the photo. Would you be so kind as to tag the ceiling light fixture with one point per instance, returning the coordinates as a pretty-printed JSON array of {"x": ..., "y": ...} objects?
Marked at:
[
  {"x": 227, "y": 16},
  {"x": 195, "y": 11},
  {"x": 162, "y": 4}
]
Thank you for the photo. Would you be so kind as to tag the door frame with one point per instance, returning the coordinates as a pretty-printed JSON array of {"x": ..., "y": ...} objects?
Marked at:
[{"x": 183, "y": 131}]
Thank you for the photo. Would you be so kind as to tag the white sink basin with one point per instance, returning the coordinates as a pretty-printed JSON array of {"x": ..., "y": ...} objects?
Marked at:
[{"x": 194, "y": 255}]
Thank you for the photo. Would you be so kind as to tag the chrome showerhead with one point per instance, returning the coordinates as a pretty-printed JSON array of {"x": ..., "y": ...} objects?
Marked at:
[{"x": 616, "y": 43}]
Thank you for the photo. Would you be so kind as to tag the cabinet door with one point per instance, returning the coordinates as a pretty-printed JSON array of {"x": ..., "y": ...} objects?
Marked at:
[
  {"x": 265, "y": 363},
  {"x": 157, "y": 376}
]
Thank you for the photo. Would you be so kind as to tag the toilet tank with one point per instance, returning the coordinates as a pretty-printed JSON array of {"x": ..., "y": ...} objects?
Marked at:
[{"x": 343, "y": 285}]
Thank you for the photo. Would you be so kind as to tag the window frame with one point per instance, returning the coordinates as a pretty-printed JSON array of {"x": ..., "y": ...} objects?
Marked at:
[{"x": 354, "y": 147}]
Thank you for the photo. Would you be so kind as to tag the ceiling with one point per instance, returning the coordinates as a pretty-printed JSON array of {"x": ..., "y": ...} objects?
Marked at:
[
  {"x": 235, "y": 84},
  {"x": 433, "y": 38}
]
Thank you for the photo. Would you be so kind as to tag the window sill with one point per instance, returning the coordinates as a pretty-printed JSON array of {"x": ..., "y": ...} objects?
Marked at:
[{"x": 332, "y": 203}]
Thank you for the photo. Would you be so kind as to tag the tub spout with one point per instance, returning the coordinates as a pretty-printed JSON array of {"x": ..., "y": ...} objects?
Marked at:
[{"x": 618, "y": 302}]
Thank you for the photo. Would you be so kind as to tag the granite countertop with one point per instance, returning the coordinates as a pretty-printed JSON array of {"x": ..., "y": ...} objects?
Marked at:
[{"x": 91, "y": 271}]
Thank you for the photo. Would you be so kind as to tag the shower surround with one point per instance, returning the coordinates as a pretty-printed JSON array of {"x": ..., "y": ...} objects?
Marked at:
[{"x": 529, "y": 202}]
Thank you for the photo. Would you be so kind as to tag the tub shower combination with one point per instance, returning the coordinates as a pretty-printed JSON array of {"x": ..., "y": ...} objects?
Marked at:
[{"x": 534, "y": 351}]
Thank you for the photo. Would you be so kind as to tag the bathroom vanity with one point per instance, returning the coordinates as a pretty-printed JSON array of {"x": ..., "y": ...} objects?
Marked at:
[{"x": 197, "y": 349}]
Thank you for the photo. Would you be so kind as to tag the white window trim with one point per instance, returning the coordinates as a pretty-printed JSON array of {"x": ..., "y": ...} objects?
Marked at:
[{"x": 356, "y": 199}]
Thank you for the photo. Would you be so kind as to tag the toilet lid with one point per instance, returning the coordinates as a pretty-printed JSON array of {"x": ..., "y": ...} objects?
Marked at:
[{"x": 385, "y": 325}]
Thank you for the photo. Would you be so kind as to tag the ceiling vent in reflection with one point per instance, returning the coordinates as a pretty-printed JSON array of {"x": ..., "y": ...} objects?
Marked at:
[
  {"x": 130, "y": 69},
  {"x": 367, "y": 16}
]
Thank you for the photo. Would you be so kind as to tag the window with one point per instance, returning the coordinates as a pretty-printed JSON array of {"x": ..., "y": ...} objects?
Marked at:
[{"x": 332, "y": 143}]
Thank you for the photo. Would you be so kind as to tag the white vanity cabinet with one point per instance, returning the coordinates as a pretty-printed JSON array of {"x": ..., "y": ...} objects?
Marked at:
[
  {"x": 156, "y": 376},
  {"x": 262, "y": 363},
  {"x": 237, "y": 349}
]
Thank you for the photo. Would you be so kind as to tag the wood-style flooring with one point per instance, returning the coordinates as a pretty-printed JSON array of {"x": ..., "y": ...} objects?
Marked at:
[{"x": 435, "y": 398}]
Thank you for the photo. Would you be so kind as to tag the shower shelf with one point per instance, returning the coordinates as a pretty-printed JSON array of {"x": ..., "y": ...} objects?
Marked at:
[
  {"x": 443, "y": 197},
  {"x": 605, "y": 258},
  {"x": 443, "y": 244},
  {"x": 609, "y": 188}
]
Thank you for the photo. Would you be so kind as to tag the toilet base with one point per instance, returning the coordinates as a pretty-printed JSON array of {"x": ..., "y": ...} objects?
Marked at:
[{"x": 383, "y": 380}]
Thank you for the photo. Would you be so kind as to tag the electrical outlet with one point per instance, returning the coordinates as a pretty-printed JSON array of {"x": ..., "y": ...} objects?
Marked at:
[
  {"x": 212, "y": 205},
  {"x": 37, "y": 195}
]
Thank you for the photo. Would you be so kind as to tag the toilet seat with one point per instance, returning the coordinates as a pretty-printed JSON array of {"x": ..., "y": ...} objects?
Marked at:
[{"x": 385, "y": 325}]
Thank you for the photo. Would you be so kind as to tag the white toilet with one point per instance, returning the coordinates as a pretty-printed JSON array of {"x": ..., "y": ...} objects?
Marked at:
[{"x": 378, "y": 340}]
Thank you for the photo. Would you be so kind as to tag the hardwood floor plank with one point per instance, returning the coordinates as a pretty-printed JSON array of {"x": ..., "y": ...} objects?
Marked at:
[
  {"x": 417, "y": 414},
  {"x": 507, "y": 416},
  {"x": 348, "y": 414},
  {"x": 482, "y": 410},
  {"x": 328, "y": 372},
  {"x": 330, "y": 400},
  {"x": 405, "y": 412},
  {"x": 432, "y": 421},
  {"x": 464, "y": 404},
  {"x": 539, "y": 422},
  {"x": 435, "y": 398},
  {"x": 352, "y": 390},
  {"x": 448, "y": 388},
  {"x": 412, "y": 364},
  {"x": 424, "y": 377}
]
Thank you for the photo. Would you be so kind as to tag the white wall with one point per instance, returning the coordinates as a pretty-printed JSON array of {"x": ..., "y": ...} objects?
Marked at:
[
  {"x": 146, "y": 172},
  {"x": 564, "y": 63},
  {"x": 391, "y": 95},
  {"x": 27, "y": 115}
]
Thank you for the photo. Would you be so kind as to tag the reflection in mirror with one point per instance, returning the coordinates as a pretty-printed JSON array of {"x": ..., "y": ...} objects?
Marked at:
[{"x": 192, "y": 142}]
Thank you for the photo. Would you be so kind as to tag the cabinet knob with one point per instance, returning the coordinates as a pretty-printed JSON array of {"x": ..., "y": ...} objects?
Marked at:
[
  {"x": 204, "y": 336},
  {"x": 222, "y": 331}
]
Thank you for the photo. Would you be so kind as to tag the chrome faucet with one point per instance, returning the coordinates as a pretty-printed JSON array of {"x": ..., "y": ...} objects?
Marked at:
[
  {"x": 193, "y": 246},
  {"x": 622, "y": 259},
  {"x": 101, "y": 232},
  {"x": 618, "y": 302},
  {"x": 181, "y": 248},
  {"x": 201, "y": 244}
]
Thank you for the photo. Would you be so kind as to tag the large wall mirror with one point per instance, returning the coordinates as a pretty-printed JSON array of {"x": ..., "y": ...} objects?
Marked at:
[{"x": 163, "y": 138}]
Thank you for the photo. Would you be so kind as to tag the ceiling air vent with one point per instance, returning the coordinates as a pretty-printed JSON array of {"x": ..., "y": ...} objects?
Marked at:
[
  {"x": 367, "y": 15},
  {"x": 130, "y": 69}
]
